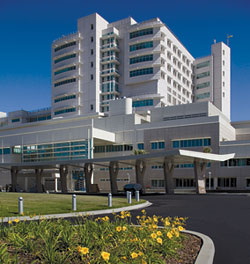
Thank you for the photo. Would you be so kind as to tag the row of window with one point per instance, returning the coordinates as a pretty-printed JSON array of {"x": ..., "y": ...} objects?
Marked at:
[
  {"x": 142, "y": 32},
  {"x": 202, "y": 96},
  {"x": 67, "y": 110},
  {"x": 158, "y": 145},
  {"x": 4, "y": 151},
  {"x": 141, "y": 59},
  {"x": 112, "y": 148},
  {"x": 235, "y": 163},
  {"x": 65, "y": 82},
  {"x": 65, "y": 58},
  {"x": 118, "y": 180},
  {"x": 65, "y": 46},
  {"x": 141, "y": 72},
  {"x": 123, "y": 168},
  {"x": 202, "y": 64},
  {"x": 40, "y": 118},
  {"x": 15, "y": 120},
  {"x": 186, "y": 143},
  {"x": 56, "y": 151},
  {"x": 142, "y": 45},
  {"x": 65, "y": 70},
  {"x": 68, "y": 97},
  {"x": 202, "y": 85},
  {"x": 141, "y": 103},
  {"x": 202, "y": 75}
]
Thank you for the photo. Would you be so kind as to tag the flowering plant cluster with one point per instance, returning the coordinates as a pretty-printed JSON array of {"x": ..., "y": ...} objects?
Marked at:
[{"x": 92, "y": 240}]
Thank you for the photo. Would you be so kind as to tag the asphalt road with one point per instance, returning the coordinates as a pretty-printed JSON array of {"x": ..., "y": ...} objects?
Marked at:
[{"x": 225, "y": 218}]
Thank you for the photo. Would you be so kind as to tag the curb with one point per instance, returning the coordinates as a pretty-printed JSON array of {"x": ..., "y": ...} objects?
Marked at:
[
  {"x": 207, "y": 251},
  {"x": 68, "y": 215}
]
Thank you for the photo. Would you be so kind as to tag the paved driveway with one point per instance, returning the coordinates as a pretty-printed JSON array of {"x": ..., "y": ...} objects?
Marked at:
[{"x": 223, "y": 217}]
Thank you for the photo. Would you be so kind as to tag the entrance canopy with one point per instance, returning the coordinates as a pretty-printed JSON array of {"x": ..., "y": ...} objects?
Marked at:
[{"x": 175, "y": 156}]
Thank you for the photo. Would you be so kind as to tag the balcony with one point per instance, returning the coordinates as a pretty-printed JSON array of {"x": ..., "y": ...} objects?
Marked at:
[
  {"x": 110, "y": 59},
  {"x": 110, "y": 46},
  {"x": 112, "y": 71}
]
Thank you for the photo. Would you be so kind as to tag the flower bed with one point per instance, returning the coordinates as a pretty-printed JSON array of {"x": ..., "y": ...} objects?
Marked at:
[{"x": 93, "y": 240}]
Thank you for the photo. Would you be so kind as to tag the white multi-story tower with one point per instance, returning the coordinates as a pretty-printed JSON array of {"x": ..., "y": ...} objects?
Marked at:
[
  {"x": 213, "y": 78},
  {"x": 144, "y": 61}
]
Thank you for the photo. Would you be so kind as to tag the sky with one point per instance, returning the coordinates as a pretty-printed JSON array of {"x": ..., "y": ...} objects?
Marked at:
[{"x": 28, "y": 28}]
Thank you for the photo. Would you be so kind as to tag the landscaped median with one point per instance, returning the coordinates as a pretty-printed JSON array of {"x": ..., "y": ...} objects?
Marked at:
[
  {"x": 106, "y": 239},
  {"x": 47, "y": 204}
]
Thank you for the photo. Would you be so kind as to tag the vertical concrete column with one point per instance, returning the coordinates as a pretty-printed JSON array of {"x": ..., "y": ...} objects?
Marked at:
[
  {"x": 200, "y": 177},
  {"x": 168, "y": 169},
  {"x": 88, "y": 170},
  {"x": 63, "y": 177},
  {"x": 14, "y": 172},
  {"x": 113, "y": 172},
  {"x": 39, "y": 187},
  {"x": 140, "y": 169},
  {"x": 215, "y": 182}
]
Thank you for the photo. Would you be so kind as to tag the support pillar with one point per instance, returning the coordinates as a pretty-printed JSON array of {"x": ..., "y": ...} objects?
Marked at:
[
  {"x": 14, "y": 172},
  {"x": 200, "y": 177},
  {"x": 140, "y": 169},
  {"x": 39, "y": 187},
  {"x": 88, "y": 171},
  {"x": 113, "y": 172},
  {"x": 63, "y": 177},
  {"x": 168, "y": 169}
]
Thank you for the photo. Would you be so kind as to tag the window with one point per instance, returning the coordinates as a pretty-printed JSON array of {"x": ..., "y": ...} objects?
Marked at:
[
  {"x": 202, "y": 96},
  {"x": 64, "y": 98},
  {"x": 92, "y": 39},
  {"x": 15, "y": 120},
  {"x": 92, "y": 26},
  {"x": 143, "y": 32},
  {"x": 65, "y": 70},
  {"x": 141, "y": 103},
  {"x": 223, "y": 84},
  {"x": 92, "y": 52},
  {"x": 91, "y": 107},
  {"x": 180, "y": 183},
  {"x": 227, "y": 182},
  {"x": 142, "y": 45},
  {"x": 158, "y": 183},
  {"x": 92, "y": 77},
  {"x": 140, "y": 72},
  {"x": 223, "y": 52},
  {"x": 186, "y": 143},
  {"x": 65, "y": 58},
  {"x": 158, "y": 145},
  {"x": 65, "y": 82},
  {"x": 140, "y": 146},
  {"x": 92, "y": 64},
  {"x": 65, "y": 46},
  {"x": 67, "y": 110},
  {"x": 141, "y": 59},
  {"x": 202, "y": 75},
  {"x": 202, "y": 85},
  {"x": 223, "y": 62},
  {"x": 203, "y": 64}
]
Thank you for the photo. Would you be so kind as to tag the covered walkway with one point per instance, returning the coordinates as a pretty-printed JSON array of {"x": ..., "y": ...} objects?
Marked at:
[{"x": 168, "y": 159}]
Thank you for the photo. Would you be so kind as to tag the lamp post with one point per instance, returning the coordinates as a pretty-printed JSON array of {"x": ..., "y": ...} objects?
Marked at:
[{"x": 209, "y": 180}]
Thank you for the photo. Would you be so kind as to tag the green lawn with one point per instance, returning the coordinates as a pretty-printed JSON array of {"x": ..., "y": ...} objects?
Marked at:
[{"x": 40, "y": 204}]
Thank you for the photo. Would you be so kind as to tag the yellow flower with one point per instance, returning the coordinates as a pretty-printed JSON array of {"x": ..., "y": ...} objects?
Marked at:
[
  {"x": 124, "y": 228},
  {"x": 169, "y": 235},
  {"x": 159, "y": 240},
  {"x": 181, "y": 228},
  {"x": 105, "y": 255},
  {"x": 154, "y": 226},
  {"x": 159, "y": 233},
  {"x": 143, "y": 211},
  {"x": 16, "y": 220},
  {"x": 153, "y": 235},
  {"x": 167, "y": 223},
  {"x": 134, "y": 255},
  {"x": 83, "y": 250},
  {"x": 177, "y": 234},
  {"x": 10, "y": 222},
  {"x": 118, "y": 228},
  {"x": 124, "y": 258},
  {"x": 143, "y": 261},
  {"x": 138, "y": 217},
  {"x": 140, "y": 253}
]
